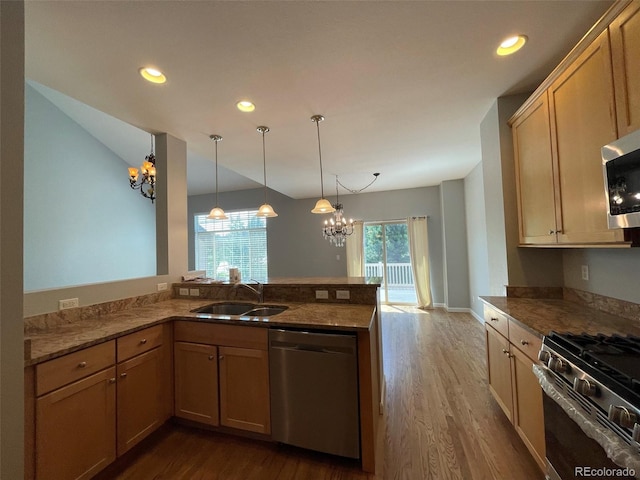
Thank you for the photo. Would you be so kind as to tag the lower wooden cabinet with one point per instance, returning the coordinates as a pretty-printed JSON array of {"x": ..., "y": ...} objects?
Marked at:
[
  {"x": 514, "y": 386},
  {"x": 196, "y": 382},
  {"x": 139, "y": 398},
  {"x": 244, "y": 389},
  {"x": 499, "y": 370},
  {"x": 76, "y": 428},
  {"x": 236, "y": 385}
]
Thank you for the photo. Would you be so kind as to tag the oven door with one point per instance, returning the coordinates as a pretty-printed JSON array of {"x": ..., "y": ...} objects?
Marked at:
[{"x": 570, "y": 452}]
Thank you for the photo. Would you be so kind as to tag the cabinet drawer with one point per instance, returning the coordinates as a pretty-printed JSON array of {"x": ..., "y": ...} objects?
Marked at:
[
  {"x": 74, "y": 366},
  {"x": 497, "y": 321},
  {"x": 221, "y": 334},
  {"x": 529, "y": 343},
  {"x": 139, "y": 342}
]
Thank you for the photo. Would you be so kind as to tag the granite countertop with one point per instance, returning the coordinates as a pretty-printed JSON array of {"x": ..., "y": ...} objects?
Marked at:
[
  {"x": 542, "y": 315},
  {"x": 51, "y": 342},
  {"x": 317, "y": 282}
]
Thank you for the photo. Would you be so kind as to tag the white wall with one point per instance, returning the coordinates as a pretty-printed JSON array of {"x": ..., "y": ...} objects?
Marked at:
[
  {"x": 476, "y": 238},
  {"x": 82, "y": 222},
  {"x": 454, "y": 230}
]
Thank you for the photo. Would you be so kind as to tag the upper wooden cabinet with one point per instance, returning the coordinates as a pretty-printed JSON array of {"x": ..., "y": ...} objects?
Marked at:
[
  {"x": 625, "y": 52},
  {"x": 557, "y": 141},
  {"x": 582, "y": 112},
  {"x": 535, "y": 180}
]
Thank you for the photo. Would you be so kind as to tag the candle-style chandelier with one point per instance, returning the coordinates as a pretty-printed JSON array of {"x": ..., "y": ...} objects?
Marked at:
[
  {"x": 337, "y": 229},
  {"x": 148, "y": 181}
]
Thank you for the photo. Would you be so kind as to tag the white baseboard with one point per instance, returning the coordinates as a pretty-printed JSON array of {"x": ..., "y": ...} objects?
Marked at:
[
  {"x": 383, "y": 394},
  {"x": 438, "y": 305},
  {"x": 476, "y": 316},
  {"x": 457, "y": 310}
]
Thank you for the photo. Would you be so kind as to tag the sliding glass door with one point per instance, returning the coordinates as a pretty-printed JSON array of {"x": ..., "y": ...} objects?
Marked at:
[{"x": 386, "y": 250}]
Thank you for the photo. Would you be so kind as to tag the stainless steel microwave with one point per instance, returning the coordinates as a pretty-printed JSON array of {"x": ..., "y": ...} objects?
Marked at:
[{"x": 621, "y": 166}]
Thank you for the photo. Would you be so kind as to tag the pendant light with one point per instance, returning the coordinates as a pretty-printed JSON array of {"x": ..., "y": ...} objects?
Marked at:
[
  {"x": 265, "y": 209},
  {"x": 323, "y": 205},
  {"x": 216, "y": 212}
]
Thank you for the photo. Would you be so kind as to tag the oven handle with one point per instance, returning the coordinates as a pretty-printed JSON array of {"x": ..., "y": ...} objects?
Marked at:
[{"x": 616, "y": 449}]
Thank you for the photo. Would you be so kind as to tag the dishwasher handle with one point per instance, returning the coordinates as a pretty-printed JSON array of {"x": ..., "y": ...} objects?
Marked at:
[{"x": 275, "y": 345}]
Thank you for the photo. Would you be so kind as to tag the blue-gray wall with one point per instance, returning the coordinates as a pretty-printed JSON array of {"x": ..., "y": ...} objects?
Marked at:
[
  {"x": 82, "y": 222},
  {"x": 295, "y": 243}
]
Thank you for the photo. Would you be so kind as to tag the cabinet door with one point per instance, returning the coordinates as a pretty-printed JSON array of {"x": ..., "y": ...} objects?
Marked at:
[
  {"x": 76, "y": 428},
  {"x": 528, "y": 414},
  {"x": 583, "y": 119},
  {"x": 499, "y": 370},
  {"x": 244, "y": 389},
  {"x": 196, "y": 382},
  {"x": 139, "y": 398},
  {"x": 625, "y": 52},
  {"x": 535, "y": 174}
]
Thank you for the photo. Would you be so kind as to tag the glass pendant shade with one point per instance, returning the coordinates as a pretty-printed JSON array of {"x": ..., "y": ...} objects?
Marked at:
[
  {"x": 266, "y": 211},
  {"x": 217, "y": 213},
  {"x": 323, "y": 206}
]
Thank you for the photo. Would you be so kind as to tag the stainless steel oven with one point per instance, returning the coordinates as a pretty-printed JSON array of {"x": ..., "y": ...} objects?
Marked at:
[{"x": 591, "y": 409}]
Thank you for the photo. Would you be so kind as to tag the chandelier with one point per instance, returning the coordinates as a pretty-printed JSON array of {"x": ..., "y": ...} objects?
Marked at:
[
  {"x": 148, "y": 181},
  {"x": 337, "y": 229}
]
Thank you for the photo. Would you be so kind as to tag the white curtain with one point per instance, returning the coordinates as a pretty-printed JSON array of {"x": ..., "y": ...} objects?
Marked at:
[
  {"x": 419, "y": 251},
  {"x": 355, "y": 250}
]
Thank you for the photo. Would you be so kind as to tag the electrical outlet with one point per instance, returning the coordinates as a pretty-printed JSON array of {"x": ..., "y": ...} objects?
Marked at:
[
  {"x": 194, "y": 292},
  {"x": 585, "y": 272},
  {"x": 68, "y": 303},
  {"x": 184, "y": 292},
  {"x": 322, "y": 294},
  {"x": 162, "y": 286},
  {"x": 343, "y": 294}
]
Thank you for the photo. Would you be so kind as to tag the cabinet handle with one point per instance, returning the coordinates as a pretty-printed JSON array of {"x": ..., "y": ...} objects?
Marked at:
[
  {"x": 552, "y": 232},
  {"x": 211, "y": 357},
  {"x": 506, "y": 352},
  {"x": 112, "y": 380},
  {"x": 221, "y": 357},
  {"x": 122, "y": 375},
  {"x": 143, "y": 341},
  {"x": 82, "y": 364},
  {"x": 493, "y": 319},
  {"x": 524, "y": 342}
]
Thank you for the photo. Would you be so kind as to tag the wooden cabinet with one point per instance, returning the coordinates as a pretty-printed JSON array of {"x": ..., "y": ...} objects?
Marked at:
[
  {"x": 196, "y": 382},
  {"x": 75, "y": 414},
  {"x": 499, "y": 370},
  {"x": 557, "y": 141},
  {"x": 244, "y": 389},
  {"x": 242, "y": 374},
  {"x": 535, "y": 178},
  {"x": 625, "y": 51},
  {"x": 513, "y": 384},
  {"x": 139, "y": 398},
  {"x": 582, "y": 111}
]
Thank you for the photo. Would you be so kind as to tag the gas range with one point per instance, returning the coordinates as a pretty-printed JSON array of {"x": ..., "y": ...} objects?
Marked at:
[{"x": 602, "y": 374}]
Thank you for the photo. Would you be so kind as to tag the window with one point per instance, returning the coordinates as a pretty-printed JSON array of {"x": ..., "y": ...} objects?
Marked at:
[
  {"x": 386, "y": 250},
  {"x": 240, "y": 242}
]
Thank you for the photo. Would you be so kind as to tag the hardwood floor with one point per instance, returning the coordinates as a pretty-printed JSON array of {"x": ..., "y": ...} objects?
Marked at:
[{"x": 440, "y": 421}]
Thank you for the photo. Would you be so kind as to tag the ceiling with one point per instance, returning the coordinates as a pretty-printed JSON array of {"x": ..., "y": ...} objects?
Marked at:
[{"x": 403, "y": 85}]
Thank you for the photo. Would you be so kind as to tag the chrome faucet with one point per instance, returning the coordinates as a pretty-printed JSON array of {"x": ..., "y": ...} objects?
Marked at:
[{"x": 258, "y": 290}]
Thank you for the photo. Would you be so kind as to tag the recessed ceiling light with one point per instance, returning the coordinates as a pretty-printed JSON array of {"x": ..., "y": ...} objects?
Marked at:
[
  {"x": 152, "y": 75},
  {"x": 511, "y": 45},
  {"x": 245, "y": 106}
]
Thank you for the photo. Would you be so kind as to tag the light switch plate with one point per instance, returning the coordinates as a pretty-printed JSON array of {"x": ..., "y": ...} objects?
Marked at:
[
  {"x": 68, "y": 303},
  {"x": 322, "y": 295},
  {"x": 343, "y": 294},
  {"x": 194, "y": 292},
  {"x": 184, "y": 291}
]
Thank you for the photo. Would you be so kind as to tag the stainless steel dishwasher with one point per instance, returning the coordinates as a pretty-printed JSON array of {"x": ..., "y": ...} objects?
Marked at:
[{"x": 314, "y": 391}]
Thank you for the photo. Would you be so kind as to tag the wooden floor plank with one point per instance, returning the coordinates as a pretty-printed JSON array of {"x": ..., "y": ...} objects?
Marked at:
[{"x": 440, "y": 421}]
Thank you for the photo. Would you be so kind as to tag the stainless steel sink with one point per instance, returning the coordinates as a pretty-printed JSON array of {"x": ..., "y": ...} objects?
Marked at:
[
  {"x": 241, "y": 309},
  {"x": 266, "y": 311},
  {"x": 226, "y": 308}
]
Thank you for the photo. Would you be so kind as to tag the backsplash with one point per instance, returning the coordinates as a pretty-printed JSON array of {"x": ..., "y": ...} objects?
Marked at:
[
  {"x": 73, "y": 315},
  {"x": 613, "y": 306}
]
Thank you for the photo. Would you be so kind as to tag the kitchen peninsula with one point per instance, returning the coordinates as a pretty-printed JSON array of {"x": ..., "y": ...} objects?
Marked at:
[{"x": 122, "y": 356}]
